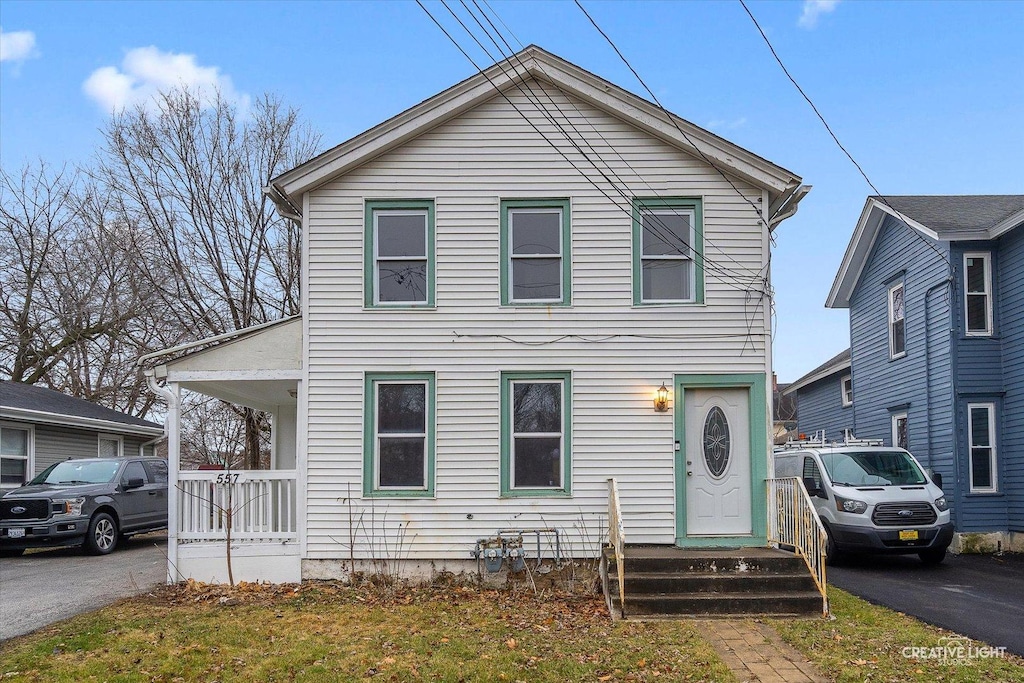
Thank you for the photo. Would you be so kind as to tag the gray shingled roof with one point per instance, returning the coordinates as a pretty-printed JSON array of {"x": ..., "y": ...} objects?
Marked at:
[
  {"x": 19, "y": 396},
  {"x": 957, "y": 213},
  {"x": 839, "y": 360}
]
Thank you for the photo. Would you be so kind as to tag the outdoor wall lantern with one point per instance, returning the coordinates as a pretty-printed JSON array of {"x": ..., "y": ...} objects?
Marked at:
[{"x": 661, "y": 399}]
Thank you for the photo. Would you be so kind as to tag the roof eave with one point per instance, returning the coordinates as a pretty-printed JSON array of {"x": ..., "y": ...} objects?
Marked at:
[
  {"x": 816, "y": 377},
  {"x": 59, "y": 419},
  {"x": 537, "y": 63}
]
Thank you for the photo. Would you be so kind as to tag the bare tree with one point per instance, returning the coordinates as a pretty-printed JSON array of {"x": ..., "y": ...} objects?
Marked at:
[{"x": 188, "y": 174}]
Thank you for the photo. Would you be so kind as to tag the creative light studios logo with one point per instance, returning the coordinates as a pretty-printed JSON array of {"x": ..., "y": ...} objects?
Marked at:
[{"x": 954, "y": 651}]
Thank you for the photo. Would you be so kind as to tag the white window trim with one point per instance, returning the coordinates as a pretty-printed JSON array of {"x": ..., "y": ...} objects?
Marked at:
[
  {"x": 893, "y": 355},
  {"x": 110, "y": 437},
  {"x": 378, "y": 259},
  {"x": 895, "y": 432},
  {"x": 991, "y": 407},
  {"x": 30, "y": 458},
  {"x": 668, "y": 211},
  {"x": 400, "y": 435},
  {"x": 513, "y": 435},
  {"x": 986, "y": 257},
  {"x": 513, "y": 257},
  {"x": 847, "y": 396}
]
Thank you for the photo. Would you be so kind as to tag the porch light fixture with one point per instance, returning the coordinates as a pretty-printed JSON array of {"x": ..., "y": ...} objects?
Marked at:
[{"x": 661, "y": 399}]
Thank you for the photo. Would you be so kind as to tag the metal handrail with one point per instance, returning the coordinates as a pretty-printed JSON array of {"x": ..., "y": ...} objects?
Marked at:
[
  {"x": 793, "y": 521},
  {"x": 617, "y": 539}
]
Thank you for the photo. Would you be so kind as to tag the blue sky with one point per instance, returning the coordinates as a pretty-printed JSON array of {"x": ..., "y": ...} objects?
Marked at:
[{"x": 928, "y": 96}]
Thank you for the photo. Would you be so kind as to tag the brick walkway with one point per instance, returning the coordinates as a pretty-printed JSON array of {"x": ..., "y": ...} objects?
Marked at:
[{"x": 756, "y": 654}]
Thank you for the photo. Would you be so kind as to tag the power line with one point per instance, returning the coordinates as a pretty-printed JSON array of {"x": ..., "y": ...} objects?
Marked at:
[{"x": 828, "y": 128}]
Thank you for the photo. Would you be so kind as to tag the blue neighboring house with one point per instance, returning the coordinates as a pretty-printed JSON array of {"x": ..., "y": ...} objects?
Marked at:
[{"x": 935, "y": 290}]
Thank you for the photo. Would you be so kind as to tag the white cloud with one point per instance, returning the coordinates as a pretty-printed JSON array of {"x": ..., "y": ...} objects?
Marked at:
[
  {"x": 17, "y": 46},
  {"x": 813, "y": 9},
  {"x": 147, "y": 71}
]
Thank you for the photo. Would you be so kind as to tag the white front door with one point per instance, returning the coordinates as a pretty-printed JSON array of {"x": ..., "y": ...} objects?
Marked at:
[{"x": 717, "y": 462}]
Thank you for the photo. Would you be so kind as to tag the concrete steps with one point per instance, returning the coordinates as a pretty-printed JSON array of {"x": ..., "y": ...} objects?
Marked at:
[{"x": 666, "y": 582}]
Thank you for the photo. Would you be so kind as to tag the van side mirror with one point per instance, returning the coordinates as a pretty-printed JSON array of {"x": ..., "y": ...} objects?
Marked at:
[
  {"x": 813, "y": 489},
  {"x": 935, "y": 477}
]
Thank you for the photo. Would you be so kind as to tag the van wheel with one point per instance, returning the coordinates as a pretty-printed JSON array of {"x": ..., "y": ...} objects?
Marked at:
[
  {"x": 102, "y": 536},
  {"x": 933, "y": 556}
]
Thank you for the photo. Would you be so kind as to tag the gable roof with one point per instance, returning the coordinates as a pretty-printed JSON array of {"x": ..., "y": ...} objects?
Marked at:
[
  {"x": 38, "y": 404},
  {"x": 833, "y": 366},
  {"x": 949, "y": 218},
  {"x": 783, "y": 186}
]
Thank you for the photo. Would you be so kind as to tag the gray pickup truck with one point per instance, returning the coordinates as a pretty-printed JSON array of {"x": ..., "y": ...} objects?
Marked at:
[{"x": 93, "y": 502}]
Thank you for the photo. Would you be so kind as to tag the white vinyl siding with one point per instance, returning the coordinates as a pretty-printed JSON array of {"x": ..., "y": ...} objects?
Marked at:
[
  {"x": 618, "y": 354},
  {"x": 981, "y": 426},
  {"x": 978, "y": 293}
]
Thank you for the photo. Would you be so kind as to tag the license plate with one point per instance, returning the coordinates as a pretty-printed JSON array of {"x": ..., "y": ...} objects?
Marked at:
[
  {"x": 15, "y": 533},
  {"x": 910, "y": 535}
]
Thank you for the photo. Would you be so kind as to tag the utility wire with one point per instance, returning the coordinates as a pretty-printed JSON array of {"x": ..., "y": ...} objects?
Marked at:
[{"x": 828, "y": 128}]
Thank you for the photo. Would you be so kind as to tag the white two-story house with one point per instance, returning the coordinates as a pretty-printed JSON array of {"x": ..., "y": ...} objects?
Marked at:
[{"x": 521, "y": 288}]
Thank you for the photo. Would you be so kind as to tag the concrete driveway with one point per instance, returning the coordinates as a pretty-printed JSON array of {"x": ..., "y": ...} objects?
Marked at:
[
  {"x": 978, "y": 596},
  {"x": 42, "y": 587}
]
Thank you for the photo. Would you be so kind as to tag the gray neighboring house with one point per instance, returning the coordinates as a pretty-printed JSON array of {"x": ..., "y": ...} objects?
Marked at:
[
  {"x": 824, "y": 398},
  {"x": 39, "y": 427}
]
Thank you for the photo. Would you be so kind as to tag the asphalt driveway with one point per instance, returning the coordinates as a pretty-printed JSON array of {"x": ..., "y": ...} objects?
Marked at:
[
  {"x": 979, "y": 596},
  {"x": 42, "y": 587}
]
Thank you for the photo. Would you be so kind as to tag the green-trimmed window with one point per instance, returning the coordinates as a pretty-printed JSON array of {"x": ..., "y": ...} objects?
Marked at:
[
  {"x": 398, "y": 448},
  {"x": 399, "y": 253},
  {"x": 668, "y": 251},
  {"x": 535, "y": 433},
  {"x": 535, "y": 263}
]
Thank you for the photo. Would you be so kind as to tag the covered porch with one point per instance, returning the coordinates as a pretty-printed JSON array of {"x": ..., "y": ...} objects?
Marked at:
[{"x": 228, "y": 524}]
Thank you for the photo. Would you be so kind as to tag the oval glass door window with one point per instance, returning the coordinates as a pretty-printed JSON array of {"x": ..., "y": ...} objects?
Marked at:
[{"x": 717, "y": 444}]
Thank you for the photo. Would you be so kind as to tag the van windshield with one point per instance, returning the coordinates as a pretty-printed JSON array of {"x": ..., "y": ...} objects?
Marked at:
[{"x": 872, "y": 468}]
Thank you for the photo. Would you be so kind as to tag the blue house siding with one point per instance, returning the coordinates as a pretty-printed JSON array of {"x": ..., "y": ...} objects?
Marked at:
[
  {"x": 819, "y": 405},
  {"x": 1010, "y": 326},
  {"x": 921, "y": 382}
]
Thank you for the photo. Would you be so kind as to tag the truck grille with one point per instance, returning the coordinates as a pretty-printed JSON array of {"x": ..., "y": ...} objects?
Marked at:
[
  {"x": 34, "y": 508},
  {"x": 889, "y": 514}
]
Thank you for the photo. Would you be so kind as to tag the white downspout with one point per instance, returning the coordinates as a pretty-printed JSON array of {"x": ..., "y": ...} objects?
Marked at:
[{"x": 172, "y": 430}]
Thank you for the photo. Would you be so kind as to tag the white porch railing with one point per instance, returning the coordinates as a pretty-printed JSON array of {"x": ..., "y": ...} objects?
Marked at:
[
  {"x": 793, "y": 521},
  {"x": 259, "y": 503},
  {"x": 617, "y": 539}
]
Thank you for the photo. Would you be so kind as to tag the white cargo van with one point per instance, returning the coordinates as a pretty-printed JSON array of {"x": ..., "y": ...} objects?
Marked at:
[{"x": 870, "y": 498}]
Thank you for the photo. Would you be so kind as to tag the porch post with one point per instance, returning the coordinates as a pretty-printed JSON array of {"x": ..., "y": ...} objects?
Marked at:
[{"x": 173, "y": 464}]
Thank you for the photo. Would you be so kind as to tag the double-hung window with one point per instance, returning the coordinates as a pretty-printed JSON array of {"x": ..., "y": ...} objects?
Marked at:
[
  {"x": 897, "y": 322},
  {"x": 110, "y": 446},
  {"x": 15, "y": 455},
  {"x": 668, "y": 251},
  {"x": 399, "y": 249},
  {"x": 981, "y": 430},
  {"x": 399, "y": 435},
  {"x": 535, "y": 425},
  {"x": 536, "y": 263},
  {"x": 978, "y": 293},
  {"x": 847, "y": 383}
]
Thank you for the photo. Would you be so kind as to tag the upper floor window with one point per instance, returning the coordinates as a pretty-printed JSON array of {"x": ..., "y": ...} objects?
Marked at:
[
  {"x": 897, "y": 322},
  {"x": 847, "y": 383},
  {"x": 668, "y": 251},
  {"x": 15, "y": 455},
  {"x": 978, "y": 293},
  {"x": 399, "y": 435},
  {"x": 535, "y": 425},
  {"x": 399, "y": 253},
  {"x": 981, "y": 430},
  {"x": 535, "y": 244}
]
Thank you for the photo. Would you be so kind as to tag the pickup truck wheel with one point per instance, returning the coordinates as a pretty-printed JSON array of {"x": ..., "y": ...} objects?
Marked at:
[
  {"x": 933, "y": 556},
  {"x": 102, "y": 536}
]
